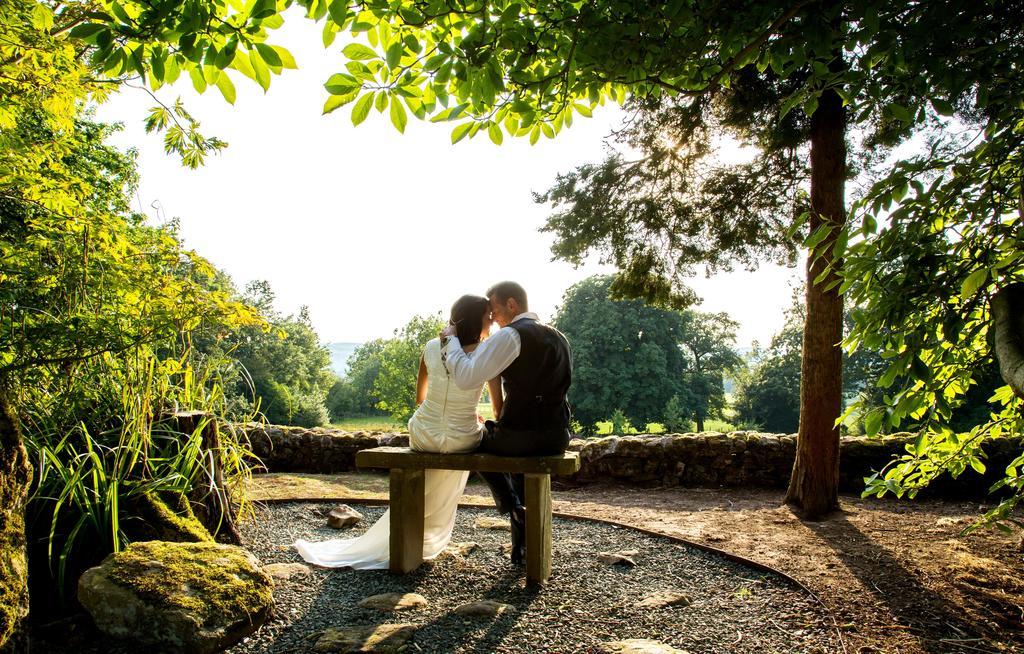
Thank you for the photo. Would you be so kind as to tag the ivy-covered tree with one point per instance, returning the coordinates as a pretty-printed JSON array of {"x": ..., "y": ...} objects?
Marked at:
[{"x": 626, "y": 356}]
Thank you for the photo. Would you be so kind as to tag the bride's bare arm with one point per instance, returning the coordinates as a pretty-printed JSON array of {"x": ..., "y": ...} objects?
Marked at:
[
  {"x": 421, "y": 383},
  {"x": 497, "y": 401}
]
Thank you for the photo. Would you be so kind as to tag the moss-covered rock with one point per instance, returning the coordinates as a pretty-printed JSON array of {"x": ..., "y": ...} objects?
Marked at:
[
  {"x": 178, "y": 597},
  {"x": 15, "y": 476}
]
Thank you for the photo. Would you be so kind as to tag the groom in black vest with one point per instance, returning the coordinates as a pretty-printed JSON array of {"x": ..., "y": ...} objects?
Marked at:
[{"x": 535, "y": 365}]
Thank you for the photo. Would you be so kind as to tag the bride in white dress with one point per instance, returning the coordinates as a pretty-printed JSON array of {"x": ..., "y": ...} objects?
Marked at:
[{"x": 445, "y": 421}]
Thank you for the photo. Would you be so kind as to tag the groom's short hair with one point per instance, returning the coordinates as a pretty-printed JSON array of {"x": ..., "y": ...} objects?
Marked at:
[{"x": 506, "y": 290}]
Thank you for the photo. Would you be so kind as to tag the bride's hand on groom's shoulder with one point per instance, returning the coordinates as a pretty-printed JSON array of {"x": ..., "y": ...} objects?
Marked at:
[{"x": 447, "y": 332}]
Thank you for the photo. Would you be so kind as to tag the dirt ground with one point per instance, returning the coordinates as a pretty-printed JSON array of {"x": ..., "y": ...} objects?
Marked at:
[{"x": 897, "y": 576}]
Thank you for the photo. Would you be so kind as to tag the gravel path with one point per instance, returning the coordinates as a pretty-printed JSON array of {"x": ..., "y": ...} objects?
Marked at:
[{"x": 586, "y": 603}]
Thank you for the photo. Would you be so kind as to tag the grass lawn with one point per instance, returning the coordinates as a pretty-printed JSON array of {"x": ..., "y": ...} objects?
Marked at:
[{"x": 385, "y": 423}]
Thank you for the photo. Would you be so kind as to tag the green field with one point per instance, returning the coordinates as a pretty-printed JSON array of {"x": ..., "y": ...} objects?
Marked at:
[{"x": 385, "y": 423}]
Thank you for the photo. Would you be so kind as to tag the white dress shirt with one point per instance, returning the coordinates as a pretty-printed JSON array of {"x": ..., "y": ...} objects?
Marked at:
[{"x": 489, "y": 359}]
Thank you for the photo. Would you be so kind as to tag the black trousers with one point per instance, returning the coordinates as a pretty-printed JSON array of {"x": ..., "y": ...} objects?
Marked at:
[{"x": 508, "y": 489}]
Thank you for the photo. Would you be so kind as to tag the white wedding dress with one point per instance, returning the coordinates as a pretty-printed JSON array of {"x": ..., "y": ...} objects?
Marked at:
[{"x": 445, "y": 422}]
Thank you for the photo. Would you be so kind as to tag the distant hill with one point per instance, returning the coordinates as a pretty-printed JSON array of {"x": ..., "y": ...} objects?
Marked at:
[{"x": 340, "y": 352}]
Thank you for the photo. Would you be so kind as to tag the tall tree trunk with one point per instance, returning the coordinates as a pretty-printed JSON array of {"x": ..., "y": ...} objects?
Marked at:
[
  {"x": 15, "y": 477},
  {"x": 814, "y": 484},
  {"x": 1007, "y": 310},
  {"x": 700, "y": 421}
]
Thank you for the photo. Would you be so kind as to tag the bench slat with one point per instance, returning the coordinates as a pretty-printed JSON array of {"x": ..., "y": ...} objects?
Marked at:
[{"x": 404, "y": 458}]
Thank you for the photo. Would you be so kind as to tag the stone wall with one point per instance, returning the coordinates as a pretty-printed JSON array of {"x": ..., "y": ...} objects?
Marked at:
[
  {"x": 707, "y": 459},
  {"x": 298, "y": 449}
]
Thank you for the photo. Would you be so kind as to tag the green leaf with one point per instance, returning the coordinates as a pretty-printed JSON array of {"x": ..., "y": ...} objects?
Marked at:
[
  {"x": 86, "y": 30},
  {"x": 342, "y": 84},
  {"x": 900, "y": 112},
  {"x": 335, "y": 101},
  {"x": 494, "y": 132},
  {"x": 243, "y": 64},
  {"x": 398, "y": 115},
  {"x": 260, "y": 70},
  {"x": 394, "y": 54},
  {"x": 920, "y": 369},
  {"x": 329, "y": 34},
  {"x": 338, "y": 9},
  {"x": 358, "y": 52},
  {"x": 873, "y": 423},
  {"x": 460, "y": 131},
  {"x": 973, "y": 282},
  {"x": 534, "y": 134},
  {"x": 788, "y": 105},
  {"x": 942, "y": 107},
  {"x": 198, "y": 81},
  {"x": 978, "y": 466},
  {"x": 811, "y": 105},
  {"x": 263, "y": 9},
  {"x": 382, "y": 101},
  {"x": 287, "y": 60},
  {"x": 362, "y": 108},
  {"x": 269, "y": 55},
  {"x": 227, "y": 88},
  {"x": 583, "y": 110},
  {"x": 818, "y": 236}
]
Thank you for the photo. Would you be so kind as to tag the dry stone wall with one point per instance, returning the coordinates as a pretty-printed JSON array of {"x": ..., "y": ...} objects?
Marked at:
[{"x": 708, "y": 459}]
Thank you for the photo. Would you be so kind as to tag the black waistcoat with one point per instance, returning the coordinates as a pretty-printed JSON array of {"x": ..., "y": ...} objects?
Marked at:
[{"x": 537, "y": 382}]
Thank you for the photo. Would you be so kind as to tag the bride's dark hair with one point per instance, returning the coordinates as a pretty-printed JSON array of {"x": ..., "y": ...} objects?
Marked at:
[{"x": 468, "y": 318}]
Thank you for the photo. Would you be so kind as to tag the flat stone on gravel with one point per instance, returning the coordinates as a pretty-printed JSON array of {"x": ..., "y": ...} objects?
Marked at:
[
  {"x": 463, "y": 549},
  {"x": 382, "y": 639},
  {"x": 490, "y": 522},
  {"x": 618, "y": 558},
  {"x": 343, "y": 516},
  {"x": 663, "y": 599},
  {"x": 278, "y": 571},
  {"x": 394, "y": 602},
  {"x": 484, "y": 609},
  {"x": 640, "y": 646}
]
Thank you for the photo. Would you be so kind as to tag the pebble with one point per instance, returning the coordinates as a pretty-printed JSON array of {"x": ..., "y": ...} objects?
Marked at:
[{"x": 343, "y": 516}]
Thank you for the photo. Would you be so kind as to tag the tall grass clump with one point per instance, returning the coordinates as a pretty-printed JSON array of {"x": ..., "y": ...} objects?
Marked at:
[{"x": 112, "y": 464}]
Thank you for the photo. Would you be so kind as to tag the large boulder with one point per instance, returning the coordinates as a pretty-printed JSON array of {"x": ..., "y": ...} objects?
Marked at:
[{"x": 178, "y": 597}]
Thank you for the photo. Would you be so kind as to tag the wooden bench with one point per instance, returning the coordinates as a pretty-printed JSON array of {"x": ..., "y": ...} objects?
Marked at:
[{"x": 407, "y": 468}]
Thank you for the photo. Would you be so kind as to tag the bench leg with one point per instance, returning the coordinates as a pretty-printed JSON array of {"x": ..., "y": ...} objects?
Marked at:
[
  {"x": 406, "y": 520},
  {"x": 538, "y": 528}
]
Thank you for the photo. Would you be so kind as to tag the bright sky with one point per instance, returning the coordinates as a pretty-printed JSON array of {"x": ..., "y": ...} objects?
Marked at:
[{"x": 368, "y": 227}]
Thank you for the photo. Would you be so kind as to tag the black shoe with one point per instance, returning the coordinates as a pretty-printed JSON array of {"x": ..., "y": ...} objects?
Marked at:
[{"x": 517, "y": 519}]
